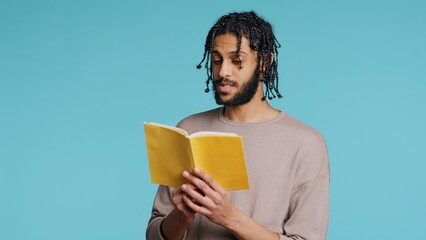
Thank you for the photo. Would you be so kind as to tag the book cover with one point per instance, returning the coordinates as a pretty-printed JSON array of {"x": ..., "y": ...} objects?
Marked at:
[{"x": 171, "y": 151}]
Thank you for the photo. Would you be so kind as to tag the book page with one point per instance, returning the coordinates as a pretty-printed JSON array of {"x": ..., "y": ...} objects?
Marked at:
[
  {"x": 211, "y": 133},
  {"x": 180, "y": 130}
]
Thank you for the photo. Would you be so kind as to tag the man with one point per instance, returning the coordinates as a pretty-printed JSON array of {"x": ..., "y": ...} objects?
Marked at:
[{"x": 286, "y": 160}]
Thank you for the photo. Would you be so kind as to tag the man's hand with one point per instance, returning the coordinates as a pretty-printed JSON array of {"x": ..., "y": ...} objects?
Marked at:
[
  {"x": 176, "y": 223},
  {"x": 205, "y": 196},
  {"x": 177, "y": 198},
  {"x": 202, "y": 194}
]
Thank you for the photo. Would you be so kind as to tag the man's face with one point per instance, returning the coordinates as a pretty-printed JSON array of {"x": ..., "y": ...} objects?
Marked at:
[{"x": 236, "y": 79}]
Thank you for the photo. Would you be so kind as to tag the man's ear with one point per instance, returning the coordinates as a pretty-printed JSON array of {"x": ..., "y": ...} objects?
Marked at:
[{"x": 261, "y": 70}]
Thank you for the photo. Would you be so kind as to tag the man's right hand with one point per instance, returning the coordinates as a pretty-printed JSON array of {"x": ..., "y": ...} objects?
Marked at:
[
  {"x": 177, "y": 198},
  {"x": 175, "y": 224}
]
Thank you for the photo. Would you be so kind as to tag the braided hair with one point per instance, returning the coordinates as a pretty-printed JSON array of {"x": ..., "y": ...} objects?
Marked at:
[{"x": 261, "y": 39}]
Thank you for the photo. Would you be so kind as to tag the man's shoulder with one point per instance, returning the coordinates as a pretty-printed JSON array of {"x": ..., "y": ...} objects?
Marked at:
[
  {"x": 200, "y": 118},
  {"x": 300, "y": 129}
]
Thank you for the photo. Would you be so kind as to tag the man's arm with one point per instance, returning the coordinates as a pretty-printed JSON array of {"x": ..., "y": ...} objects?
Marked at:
[
  {"x": 170, "y": 216},
  {"x": 207, "y": 197},
  {"x": 175, "y": 224}
]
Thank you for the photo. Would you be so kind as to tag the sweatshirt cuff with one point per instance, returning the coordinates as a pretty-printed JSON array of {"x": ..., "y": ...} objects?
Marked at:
[{"x": 160, "y": 233}]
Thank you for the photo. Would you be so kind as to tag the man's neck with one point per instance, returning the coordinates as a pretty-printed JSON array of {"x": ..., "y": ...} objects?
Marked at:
[{"x": 254, "y": 111}]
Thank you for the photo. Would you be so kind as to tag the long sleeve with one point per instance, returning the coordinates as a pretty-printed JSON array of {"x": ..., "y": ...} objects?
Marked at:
[
  {"x": 309, "y": 198},
  {"x": 161, "y": 207}
]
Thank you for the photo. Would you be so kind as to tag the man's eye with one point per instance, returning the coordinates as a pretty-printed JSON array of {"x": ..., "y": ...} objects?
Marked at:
[
  {"x": 237, "y": 62},
  {"x": 217, "y": 61}
]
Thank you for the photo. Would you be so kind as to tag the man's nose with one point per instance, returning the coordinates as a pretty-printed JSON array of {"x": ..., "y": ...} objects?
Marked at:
[{"x": 225, "y": 70}]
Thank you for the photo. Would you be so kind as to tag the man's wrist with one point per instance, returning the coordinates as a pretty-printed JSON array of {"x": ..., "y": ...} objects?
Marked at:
[
  {"x": 162, "y": 231},
  {"x": 233, "y": 218}
]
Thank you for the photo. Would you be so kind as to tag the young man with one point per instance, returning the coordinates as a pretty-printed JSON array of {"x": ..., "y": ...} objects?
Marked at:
[{"x": 286, "y": 160}]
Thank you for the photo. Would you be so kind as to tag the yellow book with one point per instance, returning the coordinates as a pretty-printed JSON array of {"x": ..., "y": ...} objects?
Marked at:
[{"x": 171, "y": 151}]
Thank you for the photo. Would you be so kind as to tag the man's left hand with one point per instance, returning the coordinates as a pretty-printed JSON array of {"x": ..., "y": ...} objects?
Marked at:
[{"x": 207, "y": 197}]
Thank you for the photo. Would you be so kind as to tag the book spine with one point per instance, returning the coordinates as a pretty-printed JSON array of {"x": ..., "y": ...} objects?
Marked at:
[{"x": 190, "y": 154}]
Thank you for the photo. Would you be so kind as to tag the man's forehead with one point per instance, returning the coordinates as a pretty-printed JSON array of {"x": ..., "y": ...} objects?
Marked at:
[
  {"x": 217, "y": 52},
  {"x": 229, "y": 44}
]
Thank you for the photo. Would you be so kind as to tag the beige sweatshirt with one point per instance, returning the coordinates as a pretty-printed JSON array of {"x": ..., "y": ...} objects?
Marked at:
[{"x": 288, "y": 170}]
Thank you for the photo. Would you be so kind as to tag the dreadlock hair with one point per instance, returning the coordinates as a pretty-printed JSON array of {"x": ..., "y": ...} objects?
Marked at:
[{"x": 261, "y": 38}]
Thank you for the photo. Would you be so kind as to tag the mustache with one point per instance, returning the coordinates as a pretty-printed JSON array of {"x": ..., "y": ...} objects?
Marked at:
[{"x": 225, "y": 81}]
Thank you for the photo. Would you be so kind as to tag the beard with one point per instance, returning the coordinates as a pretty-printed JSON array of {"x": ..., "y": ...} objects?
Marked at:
[{"x": 245, "y": 92}]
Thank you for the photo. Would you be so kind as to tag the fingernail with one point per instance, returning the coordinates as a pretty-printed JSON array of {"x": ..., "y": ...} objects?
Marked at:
[
  {"x": 185, "y": 174},
  {"x": 183, "y": 186},
  {"x": 197, "y": 170}
]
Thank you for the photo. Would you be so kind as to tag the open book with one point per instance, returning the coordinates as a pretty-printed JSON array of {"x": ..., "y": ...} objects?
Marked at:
[{"x": 171, "y": 151}]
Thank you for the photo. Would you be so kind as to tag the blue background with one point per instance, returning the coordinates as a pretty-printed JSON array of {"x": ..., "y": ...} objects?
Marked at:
[{"x": 79, "y": 78}]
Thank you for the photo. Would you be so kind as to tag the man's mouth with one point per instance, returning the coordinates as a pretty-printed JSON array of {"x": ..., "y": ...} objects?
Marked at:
[
  {"x": 226, "y": 82},
  {"x": 225, "y": 86}
]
